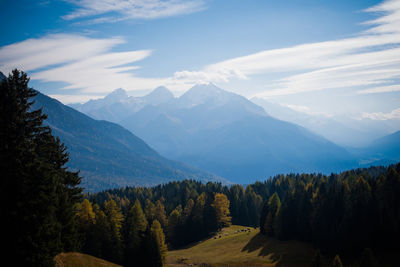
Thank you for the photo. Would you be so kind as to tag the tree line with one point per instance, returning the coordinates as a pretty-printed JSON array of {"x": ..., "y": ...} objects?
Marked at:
[{"x": 343, "y": 213}]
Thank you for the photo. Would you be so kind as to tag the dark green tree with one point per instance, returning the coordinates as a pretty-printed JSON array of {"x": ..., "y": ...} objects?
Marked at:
[
  {"x": 135, "y": 231},
  {"x": 38, "y": 193},
  {"x": 114, "y": 218}
]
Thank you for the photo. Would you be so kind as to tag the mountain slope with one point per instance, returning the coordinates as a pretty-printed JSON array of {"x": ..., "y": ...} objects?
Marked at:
[
  {"x": 226, "y": 134},
  {"x": 343, "y": 130},
  {"x": 382, "y": 151},
  {"x": 107, "y": 154}
]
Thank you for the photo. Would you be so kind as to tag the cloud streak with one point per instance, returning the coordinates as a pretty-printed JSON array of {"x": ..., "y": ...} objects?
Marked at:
[
  {"x": 394, "y": 114},
  {"x": 369, "y": 60},
  {"x": 80, "y": 62},
  {"x": 117, "y": 10}
]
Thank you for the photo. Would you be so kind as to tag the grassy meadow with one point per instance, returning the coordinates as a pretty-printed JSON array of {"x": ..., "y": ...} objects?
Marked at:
[
  {"x": 242, "y": 246},
  {"x": 75, "y": 259}
]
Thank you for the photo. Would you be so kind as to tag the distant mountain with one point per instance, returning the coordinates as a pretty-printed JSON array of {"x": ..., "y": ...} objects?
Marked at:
[
  {"x": 117, "y": 105},
  {"x": 382, "y": 151},
  {"x": 342, "y": 130},
  {"x": 227, "y": 134},
  {"x": 2, "y": 76},
  {"x": 389, "y": 146},
  {"x": 109, "y": 155}
]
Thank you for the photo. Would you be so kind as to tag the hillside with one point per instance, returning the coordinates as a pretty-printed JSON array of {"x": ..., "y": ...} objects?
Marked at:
[
  {"x": 236, "y": 246},
  {"x": 74, "y": 259},
  {"x": 107, "y": 154},
  {"x": 382, "y": 151}
]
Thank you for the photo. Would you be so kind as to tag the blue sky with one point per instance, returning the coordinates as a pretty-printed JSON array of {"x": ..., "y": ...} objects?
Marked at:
[{"x": 323, "y": 57}]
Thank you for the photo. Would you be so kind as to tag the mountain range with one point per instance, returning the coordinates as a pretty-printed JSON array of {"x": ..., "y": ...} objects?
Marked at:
[
  {"x": 108, "y": 155},
  {"x": 221, "y": 132}
]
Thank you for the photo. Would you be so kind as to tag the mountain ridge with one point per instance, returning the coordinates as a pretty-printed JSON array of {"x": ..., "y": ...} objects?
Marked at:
[
  {"x": 107, "y": 154},
  {"x": 229, "y": 135}
]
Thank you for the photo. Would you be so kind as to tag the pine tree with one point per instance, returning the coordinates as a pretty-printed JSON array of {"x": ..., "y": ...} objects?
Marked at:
[
  {"x": 160, "y": 214},
  {"x": 157, "y": 235},
  {"x": 38, "y": 193},
  {"x": 114, "y": 218},
  {"x": 135, "y": 228},
  {"x": 174, "y": 221},
  {"x": 150, "y": 210},
  {"x": 274, "y": 205},
  {"x": 86, "y": 221}
]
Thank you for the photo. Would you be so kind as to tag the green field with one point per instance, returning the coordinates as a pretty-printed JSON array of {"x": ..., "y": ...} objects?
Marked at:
[
  {"x": 237, "y": 246},
  {"x": 74, "y": 259}
]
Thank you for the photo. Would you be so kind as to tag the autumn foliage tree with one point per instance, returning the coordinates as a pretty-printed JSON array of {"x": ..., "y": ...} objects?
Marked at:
[{"x": 221, "y": 206}]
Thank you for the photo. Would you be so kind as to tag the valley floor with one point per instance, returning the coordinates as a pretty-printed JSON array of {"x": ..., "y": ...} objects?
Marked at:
[{"x": 242, "y": 246}]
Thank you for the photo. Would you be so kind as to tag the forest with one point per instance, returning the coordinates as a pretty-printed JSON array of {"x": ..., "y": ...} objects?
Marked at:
[
  {"x": 45, "y": 211},
  {"x": 342, "y": 213}
]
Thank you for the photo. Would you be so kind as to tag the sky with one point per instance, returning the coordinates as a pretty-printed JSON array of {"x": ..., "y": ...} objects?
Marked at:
[{"x": 333, "y": 57}]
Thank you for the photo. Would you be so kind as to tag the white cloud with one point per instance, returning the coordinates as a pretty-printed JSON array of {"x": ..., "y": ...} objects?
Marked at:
[
  {"x": 394, "y": 114},
  {"x": 116, "y": 10},
  {"x": 80, "y": 62},
  {"x": 381, "y": 89},
  {"x": 33, "y": 54},
  {"x": 369, "y": 59}
]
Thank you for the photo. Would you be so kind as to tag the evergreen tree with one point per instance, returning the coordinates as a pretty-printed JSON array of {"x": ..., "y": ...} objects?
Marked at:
[
  {"x": 114, "y": 218},
  {"x": 160, "y": 214},
  {"x": 135, "y": 229},
  {"x": 150, "y": 210},
  {"x": 157, "y": 235},
  {"x": 101, "y": 236},
  {"x": 174, "y": 221},
  {"x": 86, "y": 221},
  {"x": 274, "y": 205},
  {"x": 38, "y": 193}
]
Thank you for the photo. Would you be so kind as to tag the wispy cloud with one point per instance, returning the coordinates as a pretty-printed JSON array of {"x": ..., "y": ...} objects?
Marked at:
[
  {"x": 80, "y": 62},
  {"x": 394, "y": 114},
  {"x": 382, "y": 89},
  {"x": 371, "y": 58},
  {"x": 117, "y": 10}
]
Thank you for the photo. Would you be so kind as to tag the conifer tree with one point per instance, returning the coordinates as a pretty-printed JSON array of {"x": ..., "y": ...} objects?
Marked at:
[
  {"x": 37, "y": 191},
  {"x": 160, "y": 214},
  {"x": 157, "y": 235},
  {"x": 86, "y": 221},
  {"x": 135, "y": 228},
  {"x": 274, "y": 205},
  {"x": 114, "y": 218},
  {"x": 174, "y": 221}
]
